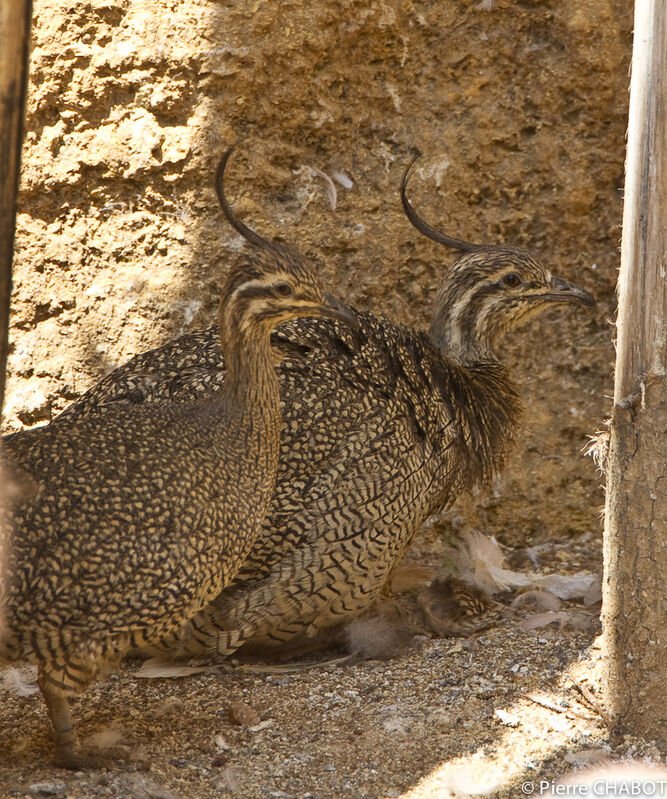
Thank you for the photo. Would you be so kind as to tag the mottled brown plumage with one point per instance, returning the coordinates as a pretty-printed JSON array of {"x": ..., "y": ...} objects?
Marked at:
[
  {"x": 142, "y": 516},
  {"x": 381, "y": 429},
  {"x": 452, "y": 607}
]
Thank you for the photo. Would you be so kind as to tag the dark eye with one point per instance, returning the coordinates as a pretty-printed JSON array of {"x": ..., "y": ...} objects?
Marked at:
[
  {"x": 283, "y": 289},
  {"x": 512, "y": 280}
]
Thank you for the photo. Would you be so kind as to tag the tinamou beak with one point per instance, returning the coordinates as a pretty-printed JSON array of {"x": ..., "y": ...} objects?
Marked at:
[
  {"x": 564, "y": 291},
  {"x": 335, "y": 309}
]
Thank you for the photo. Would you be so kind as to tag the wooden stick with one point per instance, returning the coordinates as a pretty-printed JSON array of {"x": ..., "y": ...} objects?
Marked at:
[
  {"x": 15, "y": 17},
  {"x": 634, "y": 607}
]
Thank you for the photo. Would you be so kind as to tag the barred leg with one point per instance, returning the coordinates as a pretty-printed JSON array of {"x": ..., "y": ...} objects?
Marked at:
[{"x": 67, "y": 745}]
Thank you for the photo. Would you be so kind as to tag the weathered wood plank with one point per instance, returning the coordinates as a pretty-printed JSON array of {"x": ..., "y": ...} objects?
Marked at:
[
  {"x": 635, "y": 545},
  {"x": 15, "y": 18}
]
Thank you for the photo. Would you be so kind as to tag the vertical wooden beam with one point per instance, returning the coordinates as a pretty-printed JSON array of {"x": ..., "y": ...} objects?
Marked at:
[
  {"x": 15, "y": 17},
  {"x": 635, "y": 547},
  {"x": 642, "y": 282}
]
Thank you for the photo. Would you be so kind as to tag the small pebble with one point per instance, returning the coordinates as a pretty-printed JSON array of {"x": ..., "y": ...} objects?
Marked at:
[
  {"x": 244, "y": 715},
  {"x": 55, "y": 788},
  {"x": 508, "y": 719}
]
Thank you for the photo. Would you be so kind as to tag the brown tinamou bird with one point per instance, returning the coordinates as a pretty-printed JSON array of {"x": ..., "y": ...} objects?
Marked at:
[
  {"x": 381, "y": 429},
  {"x": 143, "y": 515},
  {"x": 452, "y": 607}
]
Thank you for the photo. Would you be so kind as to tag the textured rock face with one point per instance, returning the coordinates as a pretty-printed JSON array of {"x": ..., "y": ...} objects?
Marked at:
[{"x": 519, "y": 107}]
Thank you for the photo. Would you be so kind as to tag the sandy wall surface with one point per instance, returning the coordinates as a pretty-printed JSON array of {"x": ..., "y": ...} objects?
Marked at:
[{"x": 519, "y": 106}]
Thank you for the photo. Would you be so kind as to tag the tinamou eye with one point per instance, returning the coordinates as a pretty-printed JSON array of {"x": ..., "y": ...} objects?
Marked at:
[
  {"x": 512, "y": 280},
  {"x": 283, "y": 289}
]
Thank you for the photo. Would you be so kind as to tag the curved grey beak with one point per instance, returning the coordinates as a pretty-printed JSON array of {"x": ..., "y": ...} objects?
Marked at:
[
  {"x": 564, "y": 291},
  {"x": 335, "y": 309}
]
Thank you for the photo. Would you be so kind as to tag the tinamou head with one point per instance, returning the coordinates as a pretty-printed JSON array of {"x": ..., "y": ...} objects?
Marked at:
[
  {"x": 487, "y": 291},
  {"x": 269, "y": 284}
]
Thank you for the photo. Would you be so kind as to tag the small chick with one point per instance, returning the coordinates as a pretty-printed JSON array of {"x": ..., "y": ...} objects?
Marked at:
[{"x": 453, "y": 608}]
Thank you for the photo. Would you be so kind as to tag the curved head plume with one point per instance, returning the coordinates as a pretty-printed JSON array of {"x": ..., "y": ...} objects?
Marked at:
[
  {"x": 487, "y": 291},
  {"x": 424, "y": 227},
  {"x": 266, "y": 286},
  {"x": 248, "y": 234}
]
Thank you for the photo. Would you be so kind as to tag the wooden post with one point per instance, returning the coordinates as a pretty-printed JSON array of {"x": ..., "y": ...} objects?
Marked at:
[
  {"x": 635, "y": 547},
  {"x": 15, "y": 17}
]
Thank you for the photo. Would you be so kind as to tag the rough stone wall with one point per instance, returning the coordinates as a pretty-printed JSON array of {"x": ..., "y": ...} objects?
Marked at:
[{"x": 518, "y": 105}]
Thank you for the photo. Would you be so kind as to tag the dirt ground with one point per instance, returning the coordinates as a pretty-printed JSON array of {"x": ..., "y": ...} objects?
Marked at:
[
  {"x": 520, "y": 109},
  {"x": 442, "y": 718}
]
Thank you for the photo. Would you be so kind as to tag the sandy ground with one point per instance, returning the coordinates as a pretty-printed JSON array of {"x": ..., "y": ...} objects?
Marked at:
[
  {"x": 446, "y": 717},
  {"x": 436, "y": 717}
]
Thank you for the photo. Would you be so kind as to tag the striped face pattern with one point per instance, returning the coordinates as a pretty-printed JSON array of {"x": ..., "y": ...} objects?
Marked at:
[
  {"x": 267, "y": 288},
  {"x": 488, "y": 292}
]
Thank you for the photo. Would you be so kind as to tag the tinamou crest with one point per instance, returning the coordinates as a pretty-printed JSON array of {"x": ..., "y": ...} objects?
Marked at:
[
  {"x": 142, "y": 516},
  {"x": 382, "y": 427}
]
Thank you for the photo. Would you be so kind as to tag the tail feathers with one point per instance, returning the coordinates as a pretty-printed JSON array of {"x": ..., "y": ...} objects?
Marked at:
[
  {"x": 228, "y": 641},
  {"x": 279, "y": 606}
]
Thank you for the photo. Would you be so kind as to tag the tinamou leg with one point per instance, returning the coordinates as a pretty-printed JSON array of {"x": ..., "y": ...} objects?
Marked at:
[
  {"x": 68, "y": 752},
  {"x": 57, "y": 681}
]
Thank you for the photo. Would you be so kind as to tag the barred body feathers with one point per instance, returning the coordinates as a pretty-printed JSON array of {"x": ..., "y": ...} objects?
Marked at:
[
  {"x": 381, "y": 428},
  {"x": 140, "y": 517}
]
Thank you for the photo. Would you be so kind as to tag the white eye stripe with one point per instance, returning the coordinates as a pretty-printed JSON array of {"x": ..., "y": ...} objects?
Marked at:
[
  {"x": 258, "y": 283},
  {"x": 262, "y": 284},
  {"x": 242, "y": 288},
  {"x": 256, "y": 307}
]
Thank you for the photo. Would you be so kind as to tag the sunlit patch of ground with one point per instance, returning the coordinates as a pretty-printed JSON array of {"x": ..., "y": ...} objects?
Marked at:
[{"x": 442, "y": 718}]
